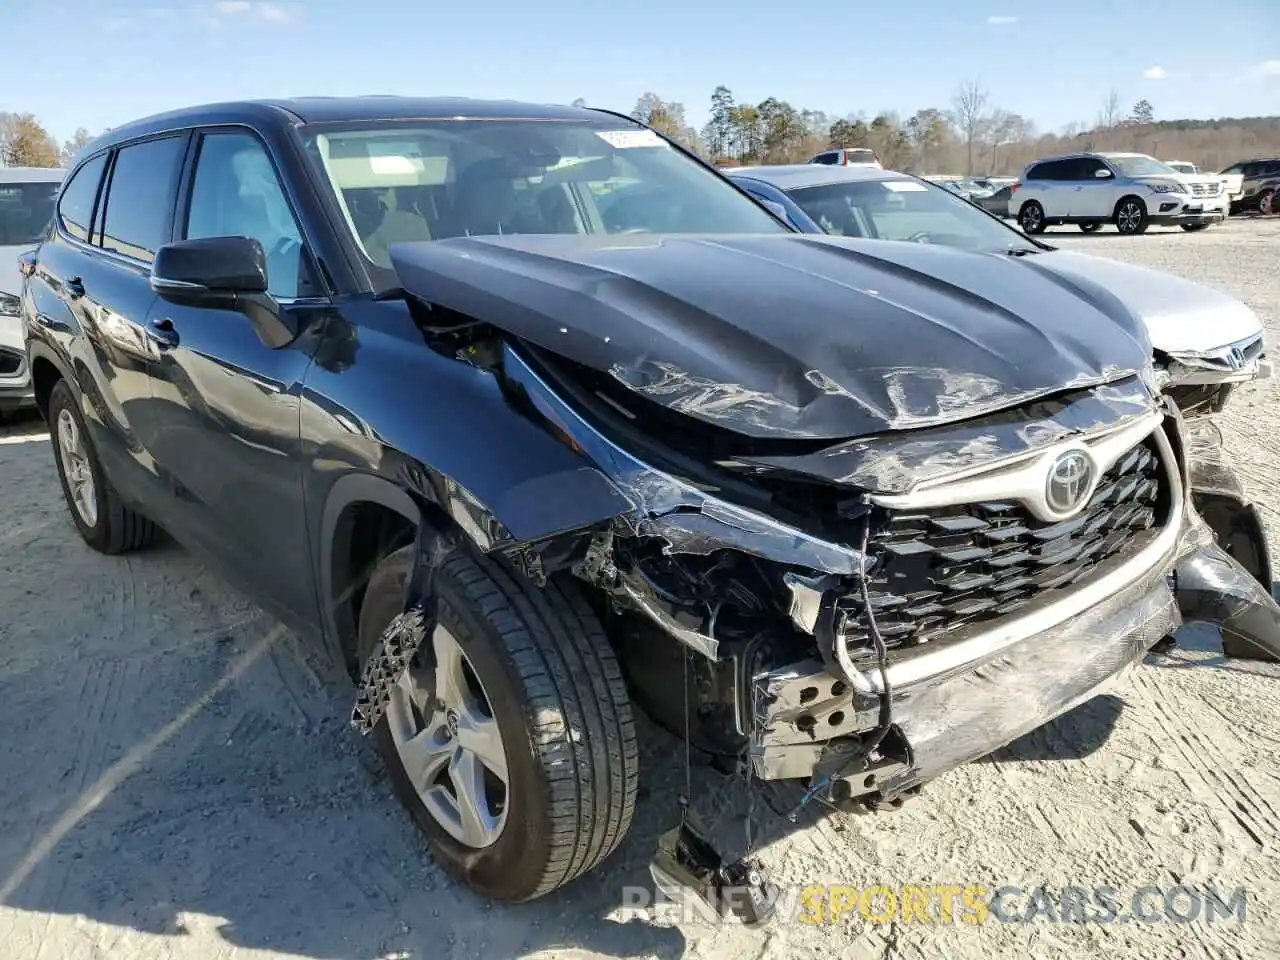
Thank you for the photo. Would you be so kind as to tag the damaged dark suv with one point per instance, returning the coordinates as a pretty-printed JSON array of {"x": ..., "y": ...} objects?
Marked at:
[{"x": 527, "y": 412}]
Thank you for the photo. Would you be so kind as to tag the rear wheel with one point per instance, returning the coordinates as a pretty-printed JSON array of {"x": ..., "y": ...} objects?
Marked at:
[
  {"x": 1131, "y": 216},
  {"x": 510, "y": 739},
  {"x": 1031, "y": 217},
  {"x": 103, "y": 521}
]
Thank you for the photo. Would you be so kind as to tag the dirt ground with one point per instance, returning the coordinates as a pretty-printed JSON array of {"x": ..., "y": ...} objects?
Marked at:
[{"x": 179, "y": 781}]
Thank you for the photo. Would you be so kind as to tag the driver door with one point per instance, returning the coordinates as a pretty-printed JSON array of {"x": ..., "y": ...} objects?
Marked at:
[
  {"x": 225, "y": 405},
  {"x": 1094, "y": 194}
]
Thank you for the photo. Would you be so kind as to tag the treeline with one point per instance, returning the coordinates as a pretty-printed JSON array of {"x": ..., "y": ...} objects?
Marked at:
[
  {"x": 971, "y": 135},
  {"x": 24, "y": 142}
]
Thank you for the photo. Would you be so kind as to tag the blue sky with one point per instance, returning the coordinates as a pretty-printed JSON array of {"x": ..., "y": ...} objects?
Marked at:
[{"x": 98, "y": 63}]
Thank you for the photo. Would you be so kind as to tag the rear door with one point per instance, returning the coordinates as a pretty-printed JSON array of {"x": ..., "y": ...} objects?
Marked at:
[
  {"x": 226, "y": 405},
  {"x": 93, "y": 280},
  {"x": 1053, "y": 186}
]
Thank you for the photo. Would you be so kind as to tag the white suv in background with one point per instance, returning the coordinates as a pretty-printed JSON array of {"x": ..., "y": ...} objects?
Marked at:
[
  {"x": 849, "y": 157},
  {"x": 27, "y": 195},
  {"x": 1130, "y": 190}
]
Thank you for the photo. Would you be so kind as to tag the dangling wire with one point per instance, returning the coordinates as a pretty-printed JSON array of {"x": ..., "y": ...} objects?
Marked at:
[{"x": 882, "y": 652}]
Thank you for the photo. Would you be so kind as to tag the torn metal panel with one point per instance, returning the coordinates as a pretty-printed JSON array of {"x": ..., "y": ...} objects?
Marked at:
[
  {"x": 896, "y": 463},
  {"x": 789, "y": 336},
  {"x": 692, "y": 520},
  {"x": 1213, "y": 588}
]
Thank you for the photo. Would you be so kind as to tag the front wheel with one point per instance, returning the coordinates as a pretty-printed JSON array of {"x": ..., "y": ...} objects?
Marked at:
[
  {"x": 509, "y": 739},
  {"x": 101, "y": 518},
  {"x": 1131, "y": 216},
  {"x": 1267, "y": 203},
  {"x": 1031, "y": 217}
]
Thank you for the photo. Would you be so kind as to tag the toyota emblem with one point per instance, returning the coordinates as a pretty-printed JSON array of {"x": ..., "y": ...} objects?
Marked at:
[{"x": 1070, "y": 483}]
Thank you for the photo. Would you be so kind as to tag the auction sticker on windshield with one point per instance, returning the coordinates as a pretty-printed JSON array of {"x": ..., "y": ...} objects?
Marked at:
[
  {"x": 904, "y": 186},
  {"x": 626, "y": 139}
]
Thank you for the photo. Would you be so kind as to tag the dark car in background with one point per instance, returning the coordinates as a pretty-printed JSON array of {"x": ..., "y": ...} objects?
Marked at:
[
  {"x": 524, "y": 411},
  {"x": 1260, "y": 181}
]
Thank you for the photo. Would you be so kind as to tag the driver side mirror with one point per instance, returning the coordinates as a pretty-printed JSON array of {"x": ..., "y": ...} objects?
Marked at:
[
  {"x": 214, "y": 272},
  {"x": 1103, "y": 174},
  {"x": 223, "y": 273}
]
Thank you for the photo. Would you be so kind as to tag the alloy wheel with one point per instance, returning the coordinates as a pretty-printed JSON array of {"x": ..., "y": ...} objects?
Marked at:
[
  {"x": 76, "y": 469},
  {"x": 1129, "y": 218},
  {"x": 1031, "y": 219},
  {"x": 1267, "y": 204},
  {"x": 448, "y": 740}
]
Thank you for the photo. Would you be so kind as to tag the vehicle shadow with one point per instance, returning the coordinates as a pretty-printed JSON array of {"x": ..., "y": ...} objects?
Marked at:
[
  {"x": 168, "y": 800},
  {"x": 1074, "y": 735}
]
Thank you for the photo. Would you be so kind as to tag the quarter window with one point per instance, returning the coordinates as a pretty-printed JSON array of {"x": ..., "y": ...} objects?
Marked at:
[
  {"x": 236, "y": 193},
  {"x": 75, "y": 209},
  {"x": 137, "y": 209}
]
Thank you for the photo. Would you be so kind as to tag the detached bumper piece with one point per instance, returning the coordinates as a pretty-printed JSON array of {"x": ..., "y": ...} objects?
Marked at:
[
  {"x": 687, "y": 865},
  {"x": 1212, "y": 587}
]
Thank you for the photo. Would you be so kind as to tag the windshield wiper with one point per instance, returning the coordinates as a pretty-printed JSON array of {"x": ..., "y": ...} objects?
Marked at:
[{"x": 1020, "y": 251}]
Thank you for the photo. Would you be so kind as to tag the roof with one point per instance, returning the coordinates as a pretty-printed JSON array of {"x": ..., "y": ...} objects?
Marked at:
[
  {"x": 796, "y": 175},
  {"x": 32, "y": 174},
  {"x": 300, "y": 110}
]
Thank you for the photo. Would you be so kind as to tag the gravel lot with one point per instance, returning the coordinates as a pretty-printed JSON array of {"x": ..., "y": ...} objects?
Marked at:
[{"x": 179, "y": 779}]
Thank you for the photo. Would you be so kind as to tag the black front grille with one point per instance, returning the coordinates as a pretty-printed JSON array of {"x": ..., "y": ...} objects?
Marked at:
[{"x": 945, "y": 568}]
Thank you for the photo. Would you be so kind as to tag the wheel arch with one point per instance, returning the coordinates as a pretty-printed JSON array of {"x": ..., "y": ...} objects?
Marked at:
[{"x": 1115, "y": 211}]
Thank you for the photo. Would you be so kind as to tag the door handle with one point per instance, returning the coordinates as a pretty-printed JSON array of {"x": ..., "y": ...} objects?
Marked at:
[
  {"x": 163, "y": 332},
  {"x": 75, "y": 288}
]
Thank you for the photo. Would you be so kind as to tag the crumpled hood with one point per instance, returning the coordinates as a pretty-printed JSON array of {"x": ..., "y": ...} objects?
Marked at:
[
  {"x": 790, "y": 335},
  {"x": 1181, "y": 316}
]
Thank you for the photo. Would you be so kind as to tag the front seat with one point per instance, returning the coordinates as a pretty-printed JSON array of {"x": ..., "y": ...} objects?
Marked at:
[
  {"x": 397, "y": 226},
  {"x": 487, "y": 203}
]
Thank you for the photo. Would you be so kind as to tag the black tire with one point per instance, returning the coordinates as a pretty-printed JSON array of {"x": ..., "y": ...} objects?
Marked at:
[
  {"x": 1131, "y": 216},
  {"x": 1194, "y": 227},
  {"x": 557, "y": 694},
  {"x": 117, "y": 529},
  {"x": 1090, "y": 227},
  {"x": 1031, "y": 217}
]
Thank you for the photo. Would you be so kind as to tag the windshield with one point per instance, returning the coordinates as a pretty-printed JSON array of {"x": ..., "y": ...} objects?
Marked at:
[
  {"x": 1140, "y": 166},
  {"x": 906, "y": 210},
  {"x": 25, "y": 211},
  {"x": 428, "y": 180}
]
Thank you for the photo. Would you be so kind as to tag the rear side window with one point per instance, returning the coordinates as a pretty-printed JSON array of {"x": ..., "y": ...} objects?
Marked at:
[
  {"x": 826, "y": 158},
  {"x": 1041, "y": 171},
  {"x": 75, "y": 209},
  {"x": 136, "y": 222}
]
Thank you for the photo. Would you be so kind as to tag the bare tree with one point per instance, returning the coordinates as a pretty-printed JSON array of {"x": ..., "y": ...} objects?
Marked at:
[
  {"x": 969, "y": 114},
  {"x": 1110, "y": 115}
]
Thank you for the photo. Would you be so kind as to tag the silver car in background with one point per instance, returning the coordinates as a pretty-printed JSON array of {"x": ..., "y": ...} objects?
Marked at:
[{"x": 27, "y": 196}]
